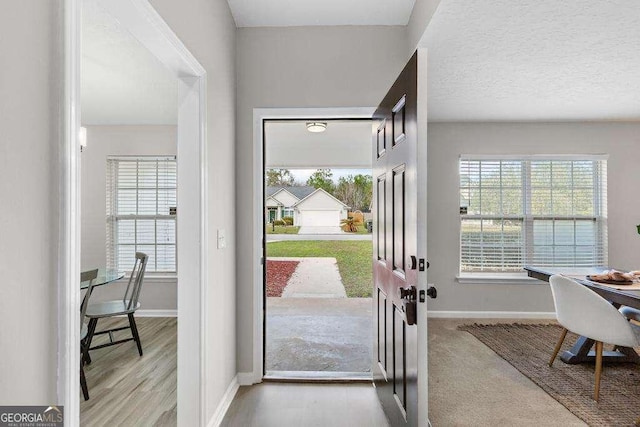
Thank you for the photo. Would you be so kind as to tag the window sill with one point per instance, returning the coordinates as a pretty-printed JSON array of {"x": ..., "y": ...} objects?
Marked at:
[
  {"x": 157, "y": 278},
  {"x": 496, "y": 279}
]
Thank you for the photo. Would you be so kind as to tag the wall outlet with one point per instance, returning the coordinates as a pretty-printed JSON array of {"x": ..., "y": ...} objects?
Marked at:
[{"x": 222, "y": 239}]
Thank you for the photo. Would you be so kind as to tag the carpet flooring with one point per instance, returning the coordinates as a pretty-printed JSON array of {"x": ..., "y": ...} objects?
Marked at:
[{"x": 528, "y": 347}]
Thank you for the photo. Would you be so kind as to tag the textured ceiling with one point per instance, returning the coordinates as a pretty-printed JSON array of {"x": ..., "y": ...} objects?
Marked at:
[
  {"x": 534, "y": 60},
  {"x": 296, "y": 13},
  {"x": 121, "y": 81}
]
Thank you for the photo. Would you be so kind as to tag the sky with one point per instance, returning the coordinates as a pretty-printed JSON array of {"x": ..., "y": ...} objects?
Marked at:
[{"x": 301, "y": 175}]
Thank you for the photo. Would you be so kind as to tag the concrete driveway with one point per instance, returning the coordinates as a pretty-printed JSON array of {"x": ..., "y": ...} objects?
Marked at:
[
  {"x": 343, "y": 236},
  {"x": 320, "y": 230}
]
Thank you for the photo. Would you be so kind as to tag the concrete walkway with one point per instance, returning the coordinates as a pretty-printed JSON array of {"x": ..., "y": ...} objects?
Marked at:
[
  {"x": 314, "y": 278},
  {"x": 314, "y": 326},
  {"x": 319, "y": 334}
]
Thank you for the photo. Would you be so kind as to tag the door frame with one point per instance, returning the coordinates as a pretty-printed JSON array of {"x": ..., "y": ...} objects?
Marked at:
[
  {"x": 148, "y": 27},
  {"x": 260, "y": 115}
]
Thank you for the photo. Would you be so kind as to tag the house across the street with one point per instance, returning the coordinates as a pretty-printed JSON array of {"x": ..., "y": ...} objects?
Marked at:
[{"x": 308, "y": 206}]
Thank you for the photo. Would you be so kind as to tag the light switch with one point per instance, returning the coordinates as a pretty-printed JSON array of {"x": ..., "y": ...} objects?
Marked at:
[{"x": 222, "y": 239}]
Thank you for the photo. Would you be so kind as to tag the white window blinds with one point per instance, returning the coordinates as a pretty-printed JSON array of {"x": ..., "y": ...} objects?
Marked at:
[
  {"x": 532, "y": 211},
  {"x": 141, "y": 216}
]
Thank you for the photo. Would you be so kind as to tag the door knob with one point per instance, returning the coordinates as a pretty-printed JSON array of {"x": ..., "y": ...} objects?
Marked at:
[
  {"x": 432, "y": 292},
  {"x": 408, "y": 293}
]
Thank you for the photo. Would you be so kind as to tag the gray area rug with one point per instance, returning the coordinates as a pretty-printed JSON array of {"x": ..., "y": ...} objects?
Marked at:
[{"x": 529, "y": 347}]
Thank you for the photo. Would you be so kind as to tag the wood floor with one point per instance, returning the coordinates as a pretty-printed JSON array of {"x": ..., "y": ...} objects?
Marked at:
[
  {"x": 482, "y": 390},
  {"x": 126, "y": 389}
]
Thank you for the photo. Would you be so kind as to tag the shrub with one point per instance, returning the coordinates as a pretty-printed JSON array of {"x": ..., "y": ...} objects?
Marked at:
[
  {"x": 278, "y": 222},
  {"x": 349, "y": 225},
  {"x": 288, "y": 220}
]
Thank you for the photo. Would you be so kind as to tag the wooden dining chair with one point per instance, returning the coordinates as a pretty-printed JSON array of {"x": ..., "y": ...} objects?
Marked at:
[
  {"x": 602, "y": 322},
  {"x": 86, "y": 276},
  {"x": 127, "y": 305}
]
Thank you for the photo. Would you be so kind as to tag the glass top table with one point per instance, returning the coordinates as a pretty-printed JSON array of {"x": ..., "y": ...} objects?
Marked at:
[{"x": 105, "y": 276}]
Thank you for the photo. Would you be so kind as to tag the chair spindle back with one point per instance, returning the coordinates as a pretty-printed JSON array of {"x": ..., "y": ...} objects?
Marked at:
[
  {"x": 87, "y": 276},
  {"x": 136, "y": 278}
]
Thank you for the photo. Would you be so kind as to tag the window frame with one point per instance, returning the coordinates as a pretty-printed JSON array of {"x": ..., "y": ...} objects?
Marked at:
[
  {"x": 113, "y": 217},
  {"x": 527, "y": 217}
]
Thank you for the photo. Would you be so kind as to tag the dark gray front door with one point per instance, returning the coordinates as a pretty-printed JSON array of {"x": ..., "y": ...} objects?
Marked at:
[{"x": 396, "y": 258}]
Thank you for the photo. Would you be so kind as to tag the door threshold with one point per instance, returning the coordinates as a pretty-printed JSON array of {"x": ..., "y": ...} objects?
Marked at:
[{"x": 317, "y": 376}]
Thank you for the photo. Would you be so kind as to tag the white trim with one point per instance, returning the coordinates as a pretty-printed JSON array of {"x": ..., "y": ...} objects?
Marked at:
[
  {"x": 225, "y": 402},
  {"x": 68, "y": 359},
  {"x": 259, "y": 116},
  {"x": 286, "y": 191},
  {"x": 161, "y": 279},
  {"x": 157, "y": 313},
  {"x": 141, "y": 20},
  {"x": 444, "y": 314},
  {"x": 534, "y": 157},
  {"x": 245, "y": 378},
  {"x": 421, "y": 202},
  {"x": 147, "y": 26},
  {"x": 496, "y": 279},
  {"x": 141, "y": 158},
  {"x": 317, "y": 190}
]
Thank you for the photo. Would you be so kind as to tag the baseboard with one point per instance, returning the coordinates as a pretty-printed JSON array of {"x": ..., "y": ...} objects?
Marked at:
[
  {"x": 491, "y": 314},
  {"x": 247, "y": 378},
  {"x": 157, "y": 313},
  {"x": 224, "y": 404}
]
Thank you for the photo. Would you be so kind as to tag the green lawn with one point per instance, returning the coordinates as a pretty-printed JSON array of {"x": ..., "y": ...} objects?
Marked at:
[
  {"x": 282, "y": 229},
  {"x": 354, "y": 260}
]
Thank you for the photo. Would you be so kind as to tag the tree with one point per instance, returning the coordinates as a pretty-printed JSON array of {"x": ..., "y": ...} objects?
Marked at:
[
  {"x": 355, "y": 191},
  {"x": 279, "y": 178},
  {"x": 322, "y": 178}
]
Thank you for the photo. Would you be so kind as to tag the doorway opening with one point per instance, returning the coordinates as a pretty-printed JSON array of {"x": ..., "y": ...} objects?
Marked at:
[
  {"x": 139, "y": 20},
  {"x": 317, "y": 231},
  {"x": 129, "y": 175}
]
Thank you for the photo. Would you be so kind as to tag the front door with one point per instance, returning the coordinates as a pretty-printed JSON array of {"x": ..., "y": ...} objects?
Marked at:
[
  {"x": 272, "y": 215},
  {"x": 399, "y": 258}
]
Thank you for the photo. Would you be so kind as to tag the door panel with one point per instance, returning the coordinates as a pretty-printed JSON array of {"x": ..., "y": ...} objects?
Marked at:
[
  {"x": 381, "y": 196},
  {"x": 398, "y": 163},
  {"x": 398, "y": 206},
  {"x": 382, "y": 331}
]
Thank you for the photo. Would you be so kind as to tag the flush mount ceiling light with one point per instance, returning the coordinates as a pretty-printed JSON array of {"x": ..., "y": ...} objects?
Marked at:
[{"x": 316, "y": 126}]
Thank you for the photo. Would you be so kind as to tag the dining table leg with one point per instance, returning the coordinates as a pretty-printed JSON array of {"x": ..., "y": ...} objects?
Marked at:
[{"x": 581, "y": 353}]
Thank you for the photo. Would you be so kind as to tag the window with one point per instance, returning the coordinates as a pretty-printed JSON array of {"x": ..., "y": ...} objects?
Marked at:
[
  {"x": 141, "y": 215},
  {"x": 532, "y": 211},
  {"x": 287, "y": 213}
]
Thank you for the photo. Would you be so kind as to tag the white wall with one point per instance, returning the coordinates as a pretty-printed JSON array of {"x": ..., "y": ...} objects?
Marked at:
[
  {"x": 446, "y": 141},
  {"x": 30, "y": 128},
  {"x": 104, "y": 141},
  {"x": 349, "y": 67},
  {"x": 207, "y": 29}
]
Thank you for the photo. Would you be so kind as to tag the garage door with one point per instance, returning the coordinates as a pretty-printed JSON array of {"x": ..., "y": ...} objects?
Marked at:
[{"x": 319, "y": 218}]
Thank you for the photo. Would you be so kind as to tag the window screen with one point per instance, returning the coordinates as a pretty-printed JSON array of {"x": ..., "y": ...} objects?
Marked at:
[
  {"x": 532, "y": 211},
  {"x": 141, "y": 212}
]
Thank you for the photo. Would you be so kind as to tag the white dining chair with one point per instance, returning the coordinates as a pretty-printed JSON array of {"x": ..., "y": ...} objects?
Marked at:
[{"x": 584, "y": 312}]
